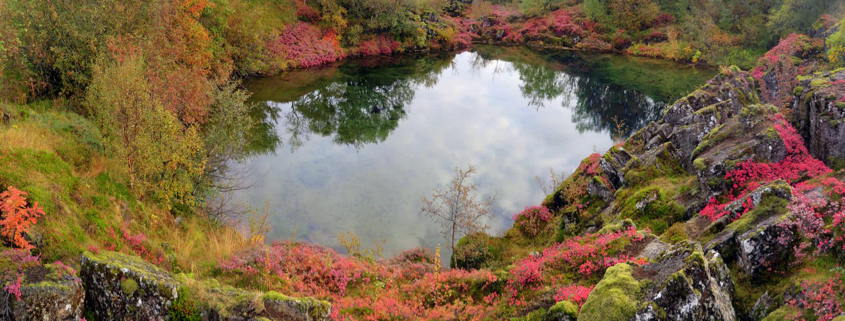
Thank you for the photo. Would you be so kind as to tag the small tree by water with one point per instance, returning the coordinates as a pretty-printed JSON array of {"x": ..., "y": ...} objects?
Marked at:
[{"x": 458, "y": 208}]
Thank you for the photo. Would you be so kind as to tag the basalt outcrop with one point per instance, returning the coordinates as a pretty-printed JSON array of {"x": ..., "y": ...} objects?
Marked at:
[
  {"x": 669, "y": 171},
  {"x": 818, "y": 112}
]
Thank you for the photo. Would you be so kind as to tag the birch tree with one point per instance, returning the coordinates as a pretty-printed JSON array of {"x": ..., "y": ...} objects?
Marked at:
[{"x": 458, "y": 208}]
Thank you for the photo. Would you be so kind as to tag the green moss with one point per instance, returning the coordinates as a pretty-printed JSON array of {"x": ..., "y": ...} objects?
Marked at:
[
  {"x": 664, "y": 164},
  {"x": 657, "y": 210},
  {"x": 563, "y": 309},
  {"x": 769, "y": 205},
  {"x": 699, "y": 164},
  {"x": 315, "y": 308},
  {"x": 836, "y": 163},
  {"x": 771, "y": 133},
  {"x": 275, "y": 296},
  {"x": 676, "y": 233},
  {"x": 798, "y": 91},
  {"x": 128, "y": 286},
  {"x": 782, "y": 314},
  {"x": 818, "y": 82},
  {"x": 615, "y": 297}
]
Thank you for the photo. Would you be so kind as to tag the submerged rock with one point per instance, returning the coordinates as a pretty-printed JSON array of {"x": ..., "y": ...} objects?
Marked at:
[
  {"x": 123, "y": 287},
  {"x": 48, "y": 292},
  {"x": 682, "y": 284}
]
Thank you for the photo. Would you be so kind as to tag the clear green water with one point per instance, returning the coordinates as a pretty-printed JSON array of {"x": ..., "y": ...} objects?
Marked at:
[{"x": 356, "y": 145}]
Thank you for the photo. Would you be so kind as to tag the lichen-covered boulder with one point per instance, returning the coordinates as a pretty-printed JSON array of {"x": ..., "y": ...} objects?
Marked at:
[
  {"x": 767, "y": 245},
  {"x": 123, "y": 287},
  {"x": 819, "y": 115},
  {"x": 48, "y": 292},
  {"x": 751, "y": 135},
  {"x": 682, "y": 284},
  {"x": 226, "y": 303},
  {"x": 761, "y": 308},
  {"x": 281, "y": 307},
  {"x": 612, "y": 164}
]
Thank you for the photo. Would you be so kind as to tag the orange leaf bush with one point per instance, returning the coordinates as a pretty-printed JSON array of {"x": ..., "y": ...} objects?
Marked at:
[{"x": 16, "y": 218}]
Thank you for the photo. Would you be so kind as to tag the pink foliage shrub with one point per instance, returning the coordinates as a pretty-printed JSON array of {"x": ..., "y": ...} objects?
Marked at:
[
  {"x": 379, "y": 45},
  {"x": 13, "y": 263},
  {"x": 582, "y": 257},
  {"x": 574, "y": 293},
  {"x": 532, "y": 220},
  {"x": 560, "y": 23},
  {"x": 590, "y": 166},
  {"x": 818, "y": 301},
  {"x": 131, "y": 244},
  {"x": 305, "y": 45},
  {"x": 749, "y": 175},
  {"x": 780, "y": 63},
  {"x": 406, "y": 287}
]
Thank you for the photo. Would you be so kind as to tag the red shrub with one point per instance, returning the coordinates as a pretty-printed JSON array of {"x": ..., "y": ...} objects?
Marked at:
[
  {"x": 378, "y": 45},
  {"x": 818, "y": 301},
  {"x": 13, "y": 263},
  {"x": 779, "y": 62},
  {"x": 574, "y": 293},
  {"x": 663, "y": 19},
  {"x": 586, "y": 257},
  {"x": 16, "y": 217},
  {"x": 532, "y": 220},
  {"x": 305, "y": 46},
  {"x": 749, "y": 175}
]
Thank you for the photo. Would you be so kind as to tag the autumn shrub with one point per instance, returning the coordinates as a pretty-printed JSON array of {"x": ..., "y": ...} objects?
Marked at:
[
  {"x": 13, "y": 264},
  {"x": 133, "y": 244},
  {"x": 782, "y": 65},
  {"x": 18, "y": 216},
  {"x": 161, "y": 156},
  {"x": 574, "y": 293},
  {"x": 818, "y": 300},
  {"x": 578, "y": 258},
  {"x": 305, "y": 45},
  {"x": 378, "y": 45},
  {"x": 474, "y": 251},
  {"x": 532, "y": 220},
  {"x": 749, "y": 175},
  {"x": 836, "y": 48}
]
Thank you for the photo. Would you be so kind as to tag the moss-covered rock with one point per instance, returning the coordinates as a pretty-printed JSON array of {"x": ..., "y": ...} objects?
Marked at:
[
  {"x": 686, "y": 284},
  {"x": 562, "y": 311},
  {"x": 682, "y": 284},
  {"x": 123, "y": 287},
  {"x": 48, "y": 292},
  {"x": 617, "y": 297},
  {"x": 281, "y": 307}
]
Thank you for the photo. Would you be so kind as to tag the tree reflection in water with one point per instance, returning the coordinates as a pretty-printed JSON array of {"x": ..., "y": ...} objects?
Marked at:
[{"x": 361, "y": 102}]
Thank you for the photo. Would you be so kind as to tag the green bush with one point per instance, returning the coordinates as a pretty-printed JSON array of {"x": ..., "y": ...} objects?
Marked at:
[{"x": 836, "y": 47}]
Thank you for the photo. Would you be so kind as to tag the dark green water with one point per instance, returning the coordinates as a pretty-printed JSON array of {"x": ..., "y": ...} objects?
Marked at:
[{"x": 354, "y": 146}]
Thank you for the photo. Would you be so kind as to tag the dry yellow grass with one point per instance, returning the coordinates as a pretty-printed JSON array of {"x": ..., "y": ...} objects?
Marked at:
[
  {"x": 201, "y": 245},
  {"x": 26, "y": 135}
]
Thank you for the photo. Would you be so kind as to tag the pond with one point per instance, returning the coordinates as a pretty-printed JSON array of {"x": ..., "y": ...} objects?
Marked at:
[{"x": 355, "y": 146}]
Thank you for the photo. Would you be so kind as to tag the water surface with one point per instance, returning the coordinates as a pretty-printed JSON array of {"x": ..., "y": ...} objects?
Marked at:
[{"x": 354, "y": 146}]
